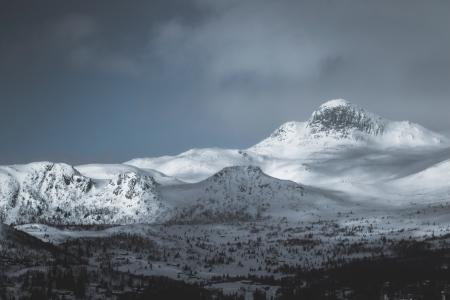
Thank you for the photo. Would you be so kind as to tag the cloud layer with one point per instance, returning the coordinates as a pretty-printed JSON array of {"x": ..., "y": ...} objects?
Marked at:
[{"x": 154, "y": 78}]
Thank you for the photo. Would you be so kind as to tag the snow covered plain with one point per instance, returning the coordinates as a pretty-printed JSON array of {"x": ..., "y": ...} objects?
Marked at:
[{"x": 342, "y": 185}]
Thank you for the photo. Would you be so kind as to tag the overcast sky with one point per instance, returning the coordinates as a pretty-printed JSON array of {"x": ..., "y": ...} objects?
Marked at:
[{"x": 106, "y": 81}]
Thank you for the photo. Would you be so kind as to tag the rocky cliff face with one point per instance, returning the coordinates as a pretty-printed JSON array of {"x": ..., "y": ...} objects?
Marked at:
[{"x": 341, "y": 119}]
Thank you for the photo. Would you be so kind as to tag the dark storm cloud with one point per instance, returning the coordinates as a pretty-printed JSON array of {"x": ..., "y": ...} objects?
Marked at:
[
  {"x": 288, "y": 56},
  {"x": 110, "y": 80}
]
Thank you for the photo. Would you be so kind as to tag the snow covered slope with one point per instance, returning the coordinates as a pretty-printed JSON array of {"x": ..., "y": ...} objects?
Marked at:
[
  {"x": 109, "y": 171},
  {"x": 57, "y": 193},
  {"x": 196, "y": 164},
  {"x": 431, "y": 184},
  {"x": 433, "y": 175},
  {"x": 239, "y": 193}
]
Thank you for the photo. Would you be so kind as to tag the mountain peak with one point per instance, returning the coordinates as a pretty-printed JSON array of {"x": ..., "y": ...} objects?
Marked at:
[
  {"x": 341, "y": 118},
  {"x": 338, "y": 122},
  {"x": 335, "y": 103}
]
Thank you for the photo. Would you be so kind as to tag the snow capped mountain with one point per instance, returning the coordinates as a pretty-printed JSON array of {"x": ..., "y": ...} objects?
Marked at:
[
  {"x": 234, "y": 193},
  {"x": 57, "y": 193},
  {"x": 340, "y": 123},
  {"x": 341, "y": 148}
]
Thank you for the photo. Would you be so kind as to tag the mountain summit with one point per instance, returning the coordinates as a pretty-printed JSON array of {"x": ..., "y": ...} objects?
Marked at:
[
  {"x": 341, "y": 118},
  {"x": 339, "y": 122}
]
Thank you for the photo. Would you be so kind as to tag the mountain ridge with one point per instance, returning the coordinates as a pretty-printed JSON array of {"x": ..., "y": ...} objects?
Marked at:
[
  {"x": 341, "y": 147},
  {"x": 49, "y": 192}
]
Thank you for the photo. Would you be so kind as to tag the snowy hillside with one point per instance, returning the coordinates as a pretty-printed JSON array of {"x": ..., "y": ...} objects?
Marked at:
[
  {"x": 109, "y": 171},
  {"x": 196, "y": 164},
  {"x": 57, "y": 193},
  {"x": 431, "y": 184},
  {"x": 234, "y": 193}
]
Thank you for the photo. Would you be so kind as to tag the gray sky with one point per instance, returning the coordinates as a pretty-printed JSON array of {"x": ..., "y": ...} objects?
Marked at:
[{"x": 106, "y": 81}]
